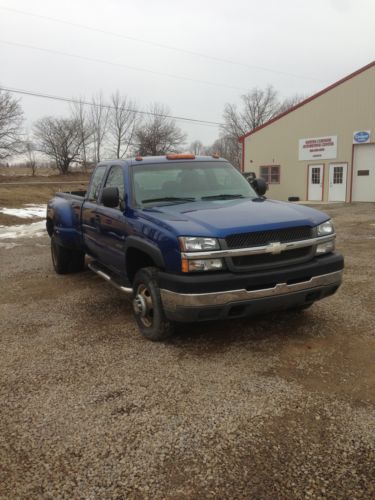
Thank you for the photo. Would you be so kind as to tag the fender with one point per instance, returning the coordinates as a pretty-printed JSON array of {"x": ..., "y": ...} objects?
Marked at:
[
  {"x": 60, "y": 211},
  {"x": 60, "y": 221},
  {"x": 146, "y": 247}
]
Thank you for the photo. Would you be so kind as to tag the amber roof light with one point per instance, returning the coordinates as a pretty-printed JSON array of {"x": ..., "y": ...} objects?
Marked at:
[
  {"x": 180, "y": 157},
  {"x": 138, "y": 158}
]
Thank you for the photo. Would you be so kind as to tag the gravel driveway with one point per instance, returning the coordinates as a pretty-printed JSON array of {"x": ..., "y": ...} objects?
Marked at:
[{"x": 272, "y": 407}]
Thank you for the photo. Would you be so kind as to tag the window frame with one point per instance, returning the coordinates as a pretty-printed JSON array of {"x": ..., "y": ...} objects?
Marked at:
[
  {"x": 269, "y": 173},
  {"x": 121, "y": 195},
  {"x": 99, "y": 186}
]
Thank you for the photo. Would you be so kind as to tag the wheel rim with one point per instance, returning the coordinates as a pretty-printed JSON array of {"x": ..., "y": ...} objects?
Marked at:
[{"x": 143, "y": 305}]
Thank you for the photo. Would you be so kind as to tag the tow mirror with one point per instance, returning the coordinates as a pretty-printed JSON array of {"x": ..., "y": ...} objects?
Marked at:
[
  {"x": 110, "y": 197},
  {"x": 260, "y": 186}
]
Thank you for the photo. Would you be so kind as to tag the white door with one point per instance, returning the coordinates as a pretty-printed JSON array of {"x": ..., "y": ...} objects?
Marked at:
[
  {"x": 337, "y": 182},
  {"x": 315, "y": 183},
  {"x": 364, "y": 173}
]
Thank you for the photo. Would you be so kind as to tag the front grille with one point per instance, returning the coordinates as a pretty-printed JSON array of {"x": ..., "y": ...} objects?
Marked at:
[
  {"x": 268, "y": 259},
  {"x": 260, "y": 238}
]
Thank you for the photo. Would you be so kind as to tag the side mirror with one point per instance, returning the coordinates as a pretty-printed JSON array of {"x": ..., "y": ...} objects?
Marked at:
[
  {"x": 260, "y": 186},
  {"x": 110, "y": 197}
]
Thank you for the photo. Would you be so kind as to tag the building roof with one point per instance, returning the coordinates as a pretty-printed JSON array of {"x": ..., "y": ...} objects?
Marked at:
[{"x": 309, "y": 99}]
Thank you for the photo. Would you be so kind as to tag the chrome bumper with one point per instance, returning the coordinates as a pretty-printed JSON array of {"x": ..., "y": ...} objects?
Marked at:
[{"x": 172, "y": 300}]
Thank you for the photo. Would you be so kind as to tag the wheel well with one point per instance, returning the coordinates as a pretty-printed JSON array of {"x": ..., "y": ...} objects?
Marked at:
[
  {"x": 135, "y": 260},
  {"x": 49, "y": 226}
]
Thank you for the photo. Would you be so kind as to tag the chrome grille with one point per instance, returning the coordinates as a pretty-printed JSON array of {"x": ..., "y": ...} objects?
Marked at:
[
  {"x": 267, "y": 259},
  {"x": 259, "y": 238}
]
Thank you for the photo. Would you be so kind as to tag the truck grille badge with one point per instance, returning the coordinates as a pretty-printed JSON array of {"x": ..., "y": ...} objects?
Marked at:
[{"x": 276, "y": 247}]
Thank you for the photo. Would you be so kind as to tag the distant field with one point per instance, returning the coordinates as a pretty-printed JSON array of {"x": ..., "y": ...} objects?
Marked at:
[{"x": 15, "y": 196}]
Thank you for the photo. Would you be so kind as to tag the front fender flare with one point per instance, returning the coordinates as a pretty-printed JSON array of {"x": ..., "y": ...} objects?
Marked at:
[{"x": 146, "y": 247}]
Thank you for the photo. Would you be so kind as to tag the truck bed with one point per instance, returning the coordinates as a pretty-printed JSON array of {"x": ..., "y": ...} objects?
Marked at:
[{"x": 68, "y": 195}]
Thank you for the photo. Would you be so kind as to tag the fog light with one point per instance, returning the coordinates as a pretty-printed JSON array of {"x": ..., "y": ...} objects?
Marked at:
[
  {"x": 189, "y": 266},
  {"x": 326, "y": 247}
]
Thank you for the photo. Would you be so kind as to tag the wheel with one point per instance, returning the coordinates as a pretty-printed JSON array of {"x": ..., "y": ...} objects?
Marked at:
[
  {"x": 65, "y": 260},
  {"x": 147, "y": 306}
]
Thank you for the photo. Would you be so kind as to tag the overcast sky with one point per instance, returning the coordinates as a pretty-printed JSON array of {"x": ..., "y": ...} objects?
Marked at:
[{"x": 192, "y": 56}]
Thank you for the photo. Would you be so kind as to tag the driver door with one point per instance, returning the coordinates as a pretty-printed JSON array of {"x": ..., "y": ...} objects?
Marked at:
[{"x": 112, "y": 224}]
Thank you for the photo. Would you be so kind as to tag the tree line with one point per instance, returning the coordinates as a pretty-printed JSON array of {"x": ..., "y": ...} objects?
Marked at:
[{"x": 97, "y": 130}]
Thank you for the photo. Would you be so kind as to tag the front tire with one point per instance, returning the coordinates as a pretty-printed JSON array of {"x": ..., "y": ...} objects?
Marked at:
[
  {"x": 66, "y": 260},
  {"x": 147, "y": 306}
]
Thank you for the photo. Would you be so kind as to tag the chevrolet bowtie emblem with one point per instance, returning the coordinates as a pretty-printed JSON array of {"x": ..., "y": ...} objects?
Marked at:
[{"x": 275, "y": 247}]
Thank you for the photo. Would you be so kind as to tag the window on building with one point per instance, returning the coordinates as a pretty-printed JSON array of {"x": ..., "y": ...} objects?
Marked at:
[
  {"x": 270, "y": 173},
  {"x": 315, "y": 175},
  {"x": 338, "y": 175}
]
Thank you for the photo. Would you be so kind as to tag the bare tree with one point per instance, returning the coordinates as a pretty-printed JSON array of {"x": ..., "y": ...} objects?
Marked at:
[
  {"x": 196, "y": 147},
  {"x": 99, "y": 116},
  {"x": 60, "y": 139},
  {"x": 290, "y": 102},
  {"x": 81, "y": 115},
  {"x": 122, "y": 124},
  {"x": 11, "y": 119},
  {"x": 225, "y": 147},
  {"x": 30, "y": 154},
  {"x": 258, "y": 106},
  {"x": 158, "y": 134}
]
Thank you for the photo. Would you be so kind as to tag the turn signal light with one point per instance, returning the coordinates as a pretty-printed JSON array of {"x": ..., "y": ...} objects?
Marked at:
[{"x": 180, "y": 157}]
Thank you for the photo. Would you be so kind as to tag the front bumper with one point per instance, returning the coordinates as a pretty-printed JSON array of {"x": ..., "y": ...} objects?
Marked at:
[{"x": 250, "y": 294}]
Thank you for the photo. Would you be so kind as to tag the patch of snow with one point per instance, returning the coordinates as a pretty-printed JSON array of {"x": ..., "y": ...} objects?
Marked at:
[
  {"x": 33, "y": 230},
  {"x": 27, "y": 212}
]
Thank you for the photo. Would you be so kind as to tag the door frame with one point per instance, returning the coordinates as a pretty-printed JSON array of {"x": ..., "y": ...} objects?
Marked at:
[
  {"x": 346, "y": 179},
  {"x": 323, "y": 165},
  {"x": 352, "y": 168}
]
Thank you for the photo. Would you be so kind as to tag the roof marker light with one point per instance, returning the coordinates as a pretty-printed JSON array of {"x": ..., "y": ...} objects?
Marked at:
[
  {"x": 215, "y": 155},
  {"x": 138, "y": 158}
]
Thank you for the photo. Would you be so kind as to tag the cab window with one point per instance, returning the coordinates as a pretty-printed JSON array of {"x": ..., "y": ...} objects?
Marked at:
[
  {"x": 96, "y": 182},
  {"x": 116, "y": 179}
]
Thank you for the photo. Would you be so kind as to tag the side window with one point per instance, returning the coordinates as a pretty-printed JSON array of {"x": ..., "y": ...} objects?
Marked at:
[
  {"x": 116, "y": 179},
  {"x": 96, "y": 181}
]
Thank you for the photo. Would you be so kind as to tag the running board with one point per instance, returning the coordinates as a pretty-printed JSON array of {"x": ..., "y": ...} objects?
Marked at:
[{"x": 107, "y": 277}]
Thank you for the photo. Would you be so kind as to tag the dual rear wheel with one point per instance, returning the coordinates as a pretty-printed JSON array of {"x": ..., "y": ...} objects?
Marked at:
[{"x": 66, "y": 260}]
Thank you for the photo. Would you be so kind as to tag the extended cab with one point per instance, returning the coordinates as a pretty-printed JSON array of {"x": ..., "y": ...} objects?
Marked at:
[{"x": 191, "y": 240}]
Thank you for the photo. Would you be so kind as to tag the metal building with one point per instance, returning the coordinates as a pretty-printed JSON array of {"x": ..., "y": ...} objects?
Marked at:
[{"x": 322, "y": 149}]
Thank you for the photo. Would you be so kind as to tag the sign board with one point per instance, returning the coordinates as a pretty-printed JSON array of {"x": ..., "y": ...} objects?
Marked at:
[
  {"x": 361, "y": 136},
  {"x": 318, "y": 148}
]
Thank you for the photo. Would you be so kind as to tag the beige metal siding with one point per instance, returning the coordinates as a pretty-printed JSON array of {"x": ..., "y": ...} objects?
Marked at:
[{"x": 342, "y": 110}]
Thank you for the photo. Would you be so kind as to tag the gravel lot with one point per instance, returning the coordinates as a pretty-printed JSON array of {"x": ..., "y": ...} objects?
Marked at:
[{"x": 272, "y": 407}]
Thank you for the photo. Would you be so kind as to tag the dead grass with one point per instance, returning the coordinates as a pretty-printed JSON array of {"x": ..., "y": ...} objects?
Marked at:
[{"x": 28, "y": 189}]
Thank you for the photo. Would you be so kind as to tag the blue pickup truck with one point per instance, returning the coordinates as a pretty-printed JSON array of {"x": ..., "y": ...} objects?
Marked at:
[{"x": 190, "y": 239}]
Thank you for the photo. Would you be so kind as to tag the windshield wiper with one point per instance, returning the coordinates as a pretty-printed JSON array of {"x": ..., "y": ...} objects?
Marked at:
[
  {"x": 180, "y": 199},
  {"x": 222, "y": 196}
]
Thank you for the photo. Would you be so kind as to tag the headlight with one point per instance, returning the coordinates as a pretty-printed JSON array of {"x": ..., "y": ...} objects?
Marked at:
[
  {"x": 326, "y": 228},
  {"x": 196, "y": 244}
]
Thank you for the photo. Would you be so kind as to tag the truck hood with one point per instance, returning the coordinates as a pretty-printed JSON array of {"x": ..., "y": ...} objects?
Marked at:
[{"x": 224, "y": 217}]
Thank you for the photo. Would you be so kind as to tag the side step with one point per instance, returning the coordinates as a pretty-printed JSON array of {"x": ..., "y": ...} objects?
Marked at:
[{"x": 94, "y": 266}]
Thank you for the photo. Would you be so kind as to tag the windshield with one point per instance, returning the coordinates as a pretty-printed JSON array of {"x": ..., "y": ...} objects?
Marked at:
[{"x": 168, "y": 183}]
